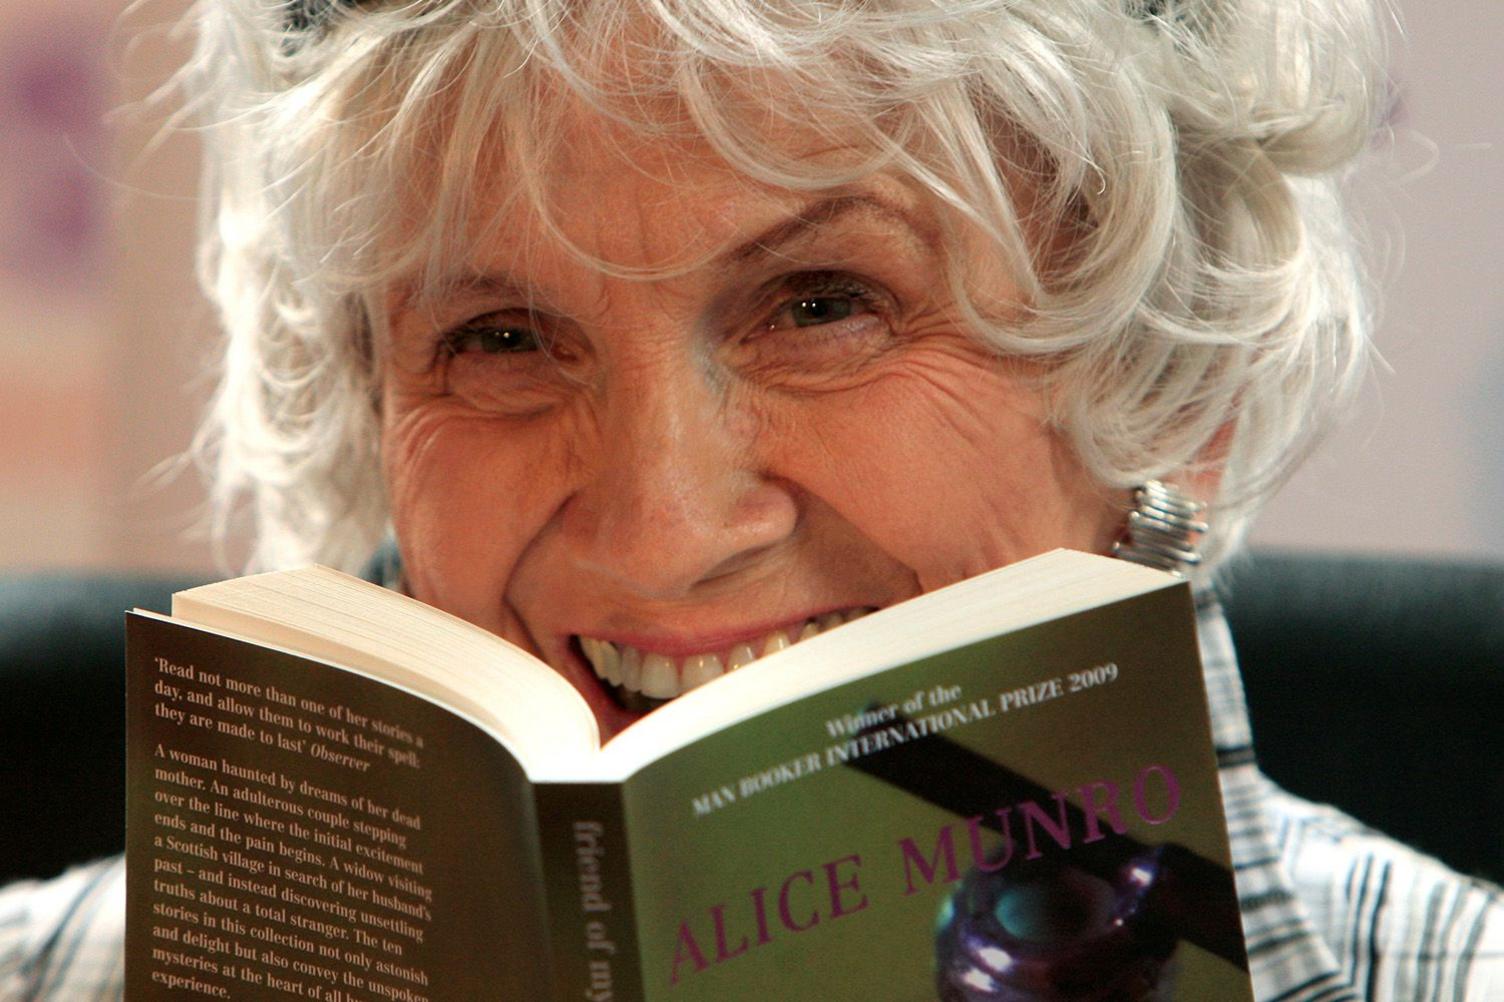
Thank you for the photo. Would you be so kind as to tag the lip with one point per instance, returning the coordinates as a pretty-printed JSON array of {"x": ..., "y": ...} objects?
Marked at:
[
  {"x": 610, "y": 714},
  {"x": 679, "y": 645}
]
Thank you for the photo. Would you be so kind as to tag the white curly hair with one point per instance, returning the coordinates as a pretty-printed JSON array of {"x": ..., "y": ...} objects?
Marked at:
[{"x": 1192, "y": 152}]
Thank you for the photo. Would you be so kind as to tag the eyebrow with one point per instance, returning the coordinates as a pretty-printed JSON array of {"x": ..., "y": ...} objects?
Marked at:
[
  {"x": 807, "y": 219},
  {"x": 412, "y": 296}
]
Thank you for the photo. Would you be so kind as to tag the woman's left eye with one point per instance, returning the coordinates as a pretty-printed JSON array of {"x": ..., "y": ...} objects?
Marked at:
[
  {"x": 819, "y": 300},
  {"x": 814, "y": 310},
  {"x": 826, "y": 327}
]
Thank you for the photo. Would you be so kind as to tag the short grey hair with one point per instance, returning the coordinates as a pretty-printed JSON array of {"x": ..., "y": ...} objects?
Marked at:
[{"x": 1191, "y": 151}]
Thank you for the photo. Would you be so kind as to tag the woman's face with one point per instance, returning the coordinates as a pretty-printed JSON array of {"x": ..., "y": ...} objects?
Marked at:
[{"x": 660, "y": 479}]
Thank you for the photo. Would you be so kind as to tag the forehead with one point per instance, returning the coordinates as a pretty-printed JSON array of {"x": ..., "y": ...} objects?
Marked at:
[
  {"x": 597, "y": 193},
  {"x": 635, "y": 200}
]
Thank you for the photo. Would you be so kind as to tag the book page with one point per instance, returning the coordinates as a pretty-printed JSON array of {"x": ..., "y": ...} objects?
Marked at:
[
  {"x": 324, "y": 614},
  {"x": 298, "y": 831}
]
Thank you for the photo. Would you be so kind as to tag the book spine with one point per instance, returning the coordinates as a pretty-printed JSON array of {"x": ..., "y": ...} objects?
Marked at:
[{"x": 588, "y": 883}]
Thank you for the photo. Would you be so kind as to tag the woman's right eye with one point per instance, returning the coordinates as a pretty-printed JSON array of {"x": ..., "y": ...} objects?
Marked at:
[
  {"x": 505, "y": 364},
  {"x": 491, "y": 338}
]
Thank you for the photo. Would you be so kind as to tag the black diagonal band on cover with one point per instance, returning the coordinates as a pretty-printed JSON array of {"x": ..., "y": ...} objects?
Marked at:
[{"x": 957, "y": 779}]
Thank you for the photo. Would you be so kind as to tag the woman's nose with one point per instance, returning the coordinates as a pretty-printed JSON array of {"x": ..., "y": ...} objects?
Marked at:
[{"x": 675, "y": 496}]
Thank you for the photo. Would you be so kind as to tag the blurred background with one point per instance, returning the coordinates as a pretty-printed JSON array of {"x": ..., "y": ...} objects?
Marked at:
[{"x": 105, "y": 344}]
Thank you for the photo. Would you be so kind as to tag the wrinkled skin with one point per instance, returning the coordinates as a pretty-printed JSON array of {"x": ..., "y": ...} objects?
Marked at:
[{"x": 798, "y": 423}]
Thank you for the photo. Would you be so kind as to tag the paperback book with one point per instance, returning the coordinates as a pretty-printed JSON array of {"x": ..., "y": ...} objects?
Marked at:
[{"x": 1001, "y": 790}]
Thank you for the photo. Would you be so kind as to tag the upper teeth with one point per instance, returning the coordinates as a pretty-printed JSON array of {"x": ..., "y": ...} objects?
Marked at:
[{"x": 659, "y": 676}]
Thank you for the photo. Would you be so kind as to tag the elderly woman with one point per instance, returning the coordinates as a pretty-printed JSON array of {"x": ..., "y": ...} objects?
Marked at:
[{"x": 674, "y": 322}]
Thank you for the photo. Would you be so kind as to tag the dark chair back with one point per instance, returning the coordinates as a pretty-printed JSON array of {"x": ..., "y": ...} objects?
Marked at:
[
  {"x": 62, "y": 715},
  {"x": 1377, "y": 684}
]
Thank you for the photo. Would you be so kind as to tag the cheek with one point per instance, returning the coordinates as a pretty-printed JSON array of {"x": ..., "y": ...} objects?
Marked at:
[
  {"x": 947, "y": 464},
  {"x": 468, "y": 495}
]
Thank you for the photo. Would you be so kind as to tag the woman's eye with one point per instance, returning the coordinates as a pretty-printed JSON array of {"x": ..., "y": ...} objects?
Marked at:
[
  {"x": 822, "y": 328},
  {"x": 491, "y": 339},
  {"x": 821, "y": 300},
  {"x": 497, "y": 366},
  {"x": 820, "y": 310}
]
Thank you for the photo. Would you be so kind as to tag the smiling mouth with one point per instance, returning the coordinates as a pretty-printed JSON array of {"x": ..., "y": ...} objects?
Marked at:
[{"x": 641, "y": 680}]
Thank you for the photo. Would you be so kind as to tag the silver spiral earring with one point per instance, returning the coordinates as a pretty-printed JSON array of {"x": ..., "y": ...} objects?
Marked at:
[{"x": 1164, "y": 529}]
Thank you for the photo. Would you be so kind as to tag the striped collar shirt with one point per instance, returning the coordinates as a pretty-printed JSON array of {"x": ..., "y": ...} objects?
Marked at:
[{"x": 1332, "y": 911}]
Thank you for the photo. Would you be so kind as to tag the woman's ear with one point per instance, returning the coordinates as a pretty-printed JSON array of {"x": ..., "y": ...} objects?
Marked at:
[{"x": 1167, "y": 519}]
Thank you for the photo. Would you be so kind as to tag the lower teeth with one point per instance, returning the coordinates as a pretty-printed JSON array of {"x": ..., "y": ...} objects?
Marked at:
[{"x": 631, "y": 699}]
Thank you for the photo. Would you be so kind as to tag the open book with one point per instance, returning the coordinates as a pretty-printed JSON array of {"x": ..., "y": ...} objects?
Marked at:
[{"x": 1006, "y": 786}]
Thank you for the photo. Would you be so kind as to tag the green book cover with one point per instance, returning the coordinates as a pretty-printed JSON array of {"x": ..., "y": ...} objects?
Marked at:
[
  {"x": 1032, "y": 816},
  {"x": 835, "y": 848}
]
